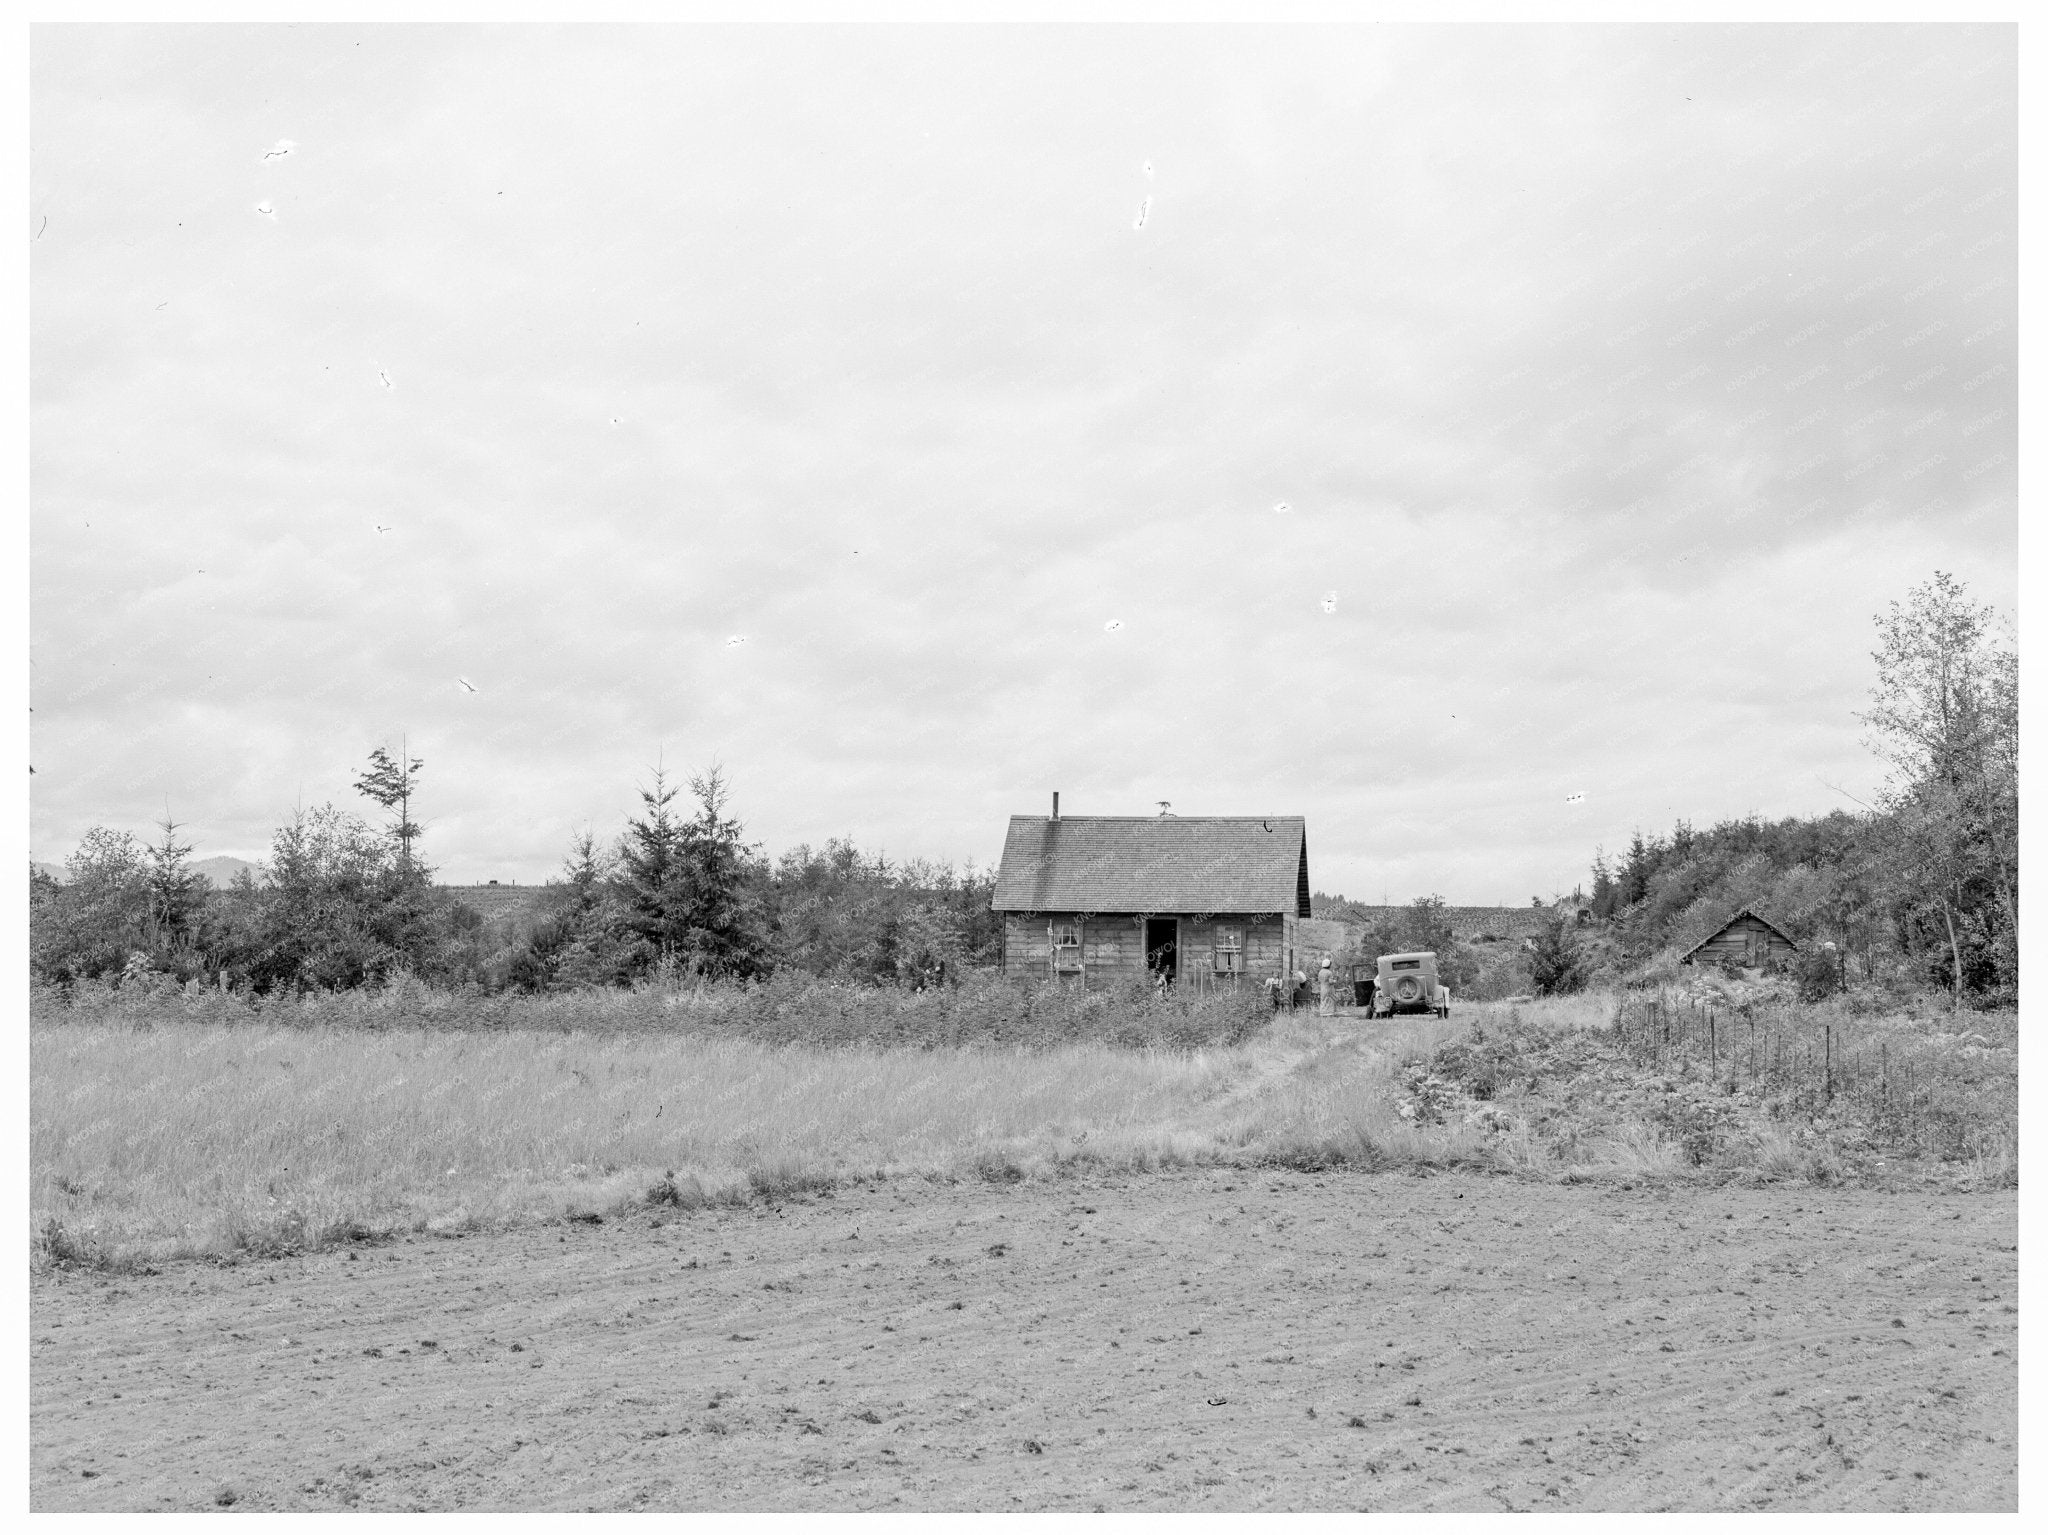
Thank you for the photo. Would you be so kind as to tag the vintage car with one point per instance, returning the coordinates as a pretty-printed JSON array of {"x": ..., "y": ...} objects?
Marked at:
[{"x": 1407, "y": 983}]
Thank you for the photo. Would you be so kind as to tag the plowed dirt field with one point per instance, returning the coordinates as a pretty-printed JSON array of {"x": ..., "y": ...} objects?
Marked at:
[{"x": 1187, "y": 1340}]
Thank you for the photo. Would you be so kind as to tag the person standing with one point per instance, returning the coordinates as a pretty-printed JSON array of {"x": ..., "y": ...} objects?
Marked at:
[{"x": 1325, "y": 1004}]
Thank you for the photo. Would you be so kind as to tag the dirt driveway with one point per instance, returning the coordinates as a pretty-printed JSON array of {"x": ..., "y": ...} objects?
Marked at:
[{"x": 1171, "y": 1341}]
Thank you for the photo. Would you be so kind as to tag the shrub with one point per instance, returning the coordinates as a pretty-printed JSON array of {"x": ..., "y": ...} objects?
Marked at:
[
  {"x": 1483, "y": 1067},
  {"x": 1556, "y": 967},
  {"x": 1817, "y": 972}
]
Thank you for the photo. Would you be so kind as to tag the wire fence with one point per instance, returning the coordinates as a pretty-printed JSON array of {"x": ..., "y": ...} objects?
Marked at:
[{"x": 1908, "y": 1089}]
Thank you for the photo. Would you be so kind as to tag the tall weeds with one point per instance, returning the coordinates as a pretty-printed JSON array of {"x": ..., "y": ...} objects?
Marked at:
[
  {"x": 787, "y": 1009},
  {"x": 188, "y": 1123}
]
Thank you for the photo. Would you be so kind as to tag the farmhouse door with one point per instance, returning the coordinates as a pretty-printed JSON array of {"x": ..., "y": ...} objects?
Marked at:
[{"x": 1162, "y": 946}]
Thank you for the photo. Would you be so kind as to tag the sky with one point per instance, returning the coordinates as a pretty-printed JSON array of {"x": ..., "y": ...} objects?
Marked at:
[{"x": 1483, "y": 441}]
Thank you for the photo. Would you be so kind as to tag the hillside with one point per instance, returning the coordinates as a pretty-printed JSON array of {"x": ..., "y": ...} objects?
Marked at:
[
  {"x": 1466, "y": 922},
  {"x": 493, "y": 900},
  {"x": 221, "y": 870}
]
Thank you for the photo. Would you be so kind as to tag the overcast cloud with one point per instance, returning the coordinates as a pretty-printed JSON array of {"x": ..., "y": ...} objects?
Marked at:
[{"x": 1611, "y": 378}]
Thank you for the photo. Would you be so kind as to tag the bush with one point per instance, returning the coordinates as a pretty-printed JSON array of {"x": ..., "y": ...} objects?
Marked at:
[
  {"x": 1817, "y": 972},
  {"x": 1481, "y": 1066},
  {"x": 1556, "y": 967}
]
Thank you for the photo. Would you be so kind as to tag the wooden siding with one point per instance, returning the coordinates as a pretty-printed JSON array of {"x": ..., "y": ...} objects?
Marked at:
[
  {"x": 1112, "y": 950},
  {"x": 1746, "y": 941},
  {"x": 1113, "y": 945}
]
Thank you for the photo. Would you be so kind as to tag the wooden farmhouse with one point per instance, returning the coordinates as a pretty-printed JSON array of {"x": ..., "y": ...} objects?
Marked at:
[
  {"x": 1210, "y": 900},
  {"x": 1744, "y": 939}
]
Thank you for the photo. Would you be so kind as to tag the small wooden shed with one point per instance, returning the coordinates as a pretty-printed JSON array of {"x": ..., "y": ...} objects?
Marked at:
[
  {"x": 1207, "y": 900},
  {"x": 1744, "y": 939}
]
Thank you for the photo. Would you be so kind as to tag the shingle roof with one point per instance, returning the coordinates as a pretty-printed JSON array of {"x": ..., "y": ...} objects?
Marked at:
[
  {"x": 1106, "y": 863},
  {"x": 1717, "y": 932}
]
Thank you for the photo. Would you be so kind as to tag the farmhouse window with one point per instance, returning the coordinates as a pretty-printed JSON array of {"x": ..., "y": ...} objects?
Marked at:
[
  {"x": 1066, "y": 946},
  {"x": 1229, "y": 949}
]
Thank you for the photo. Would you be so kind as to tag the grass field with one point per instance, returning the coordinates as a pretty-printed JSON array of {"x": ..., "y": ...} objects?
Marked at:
[{"x": 165, "y": 1127}]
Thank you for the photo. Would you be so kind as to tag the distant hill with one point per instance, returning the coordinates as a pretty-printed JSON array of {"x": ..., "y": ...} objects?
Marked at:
[
  {"x": 221, "y": 870},
  {"x": 1466, "y": 922},
  {"x": 495, "y": 900}
]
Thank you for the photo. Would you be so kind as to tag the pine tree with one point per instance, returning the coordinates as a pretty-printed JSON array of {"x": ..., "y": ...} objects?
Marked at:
[
  {"x": 390, "y": 784},
  {"x": 1555, "y": 965},
  {"x": 1605, "y": 893},
  {"x": 726, "y": 936},
  {"x": 651, "y": 859},
  {"x": 176, "y": 893}
]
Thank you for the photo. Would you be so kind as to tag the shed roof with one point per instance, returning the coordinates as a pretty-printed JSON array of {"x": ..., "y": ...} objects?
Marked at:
[
  {"x": 1105, "y": 863},
  {"x": 1745, "y": 912}
]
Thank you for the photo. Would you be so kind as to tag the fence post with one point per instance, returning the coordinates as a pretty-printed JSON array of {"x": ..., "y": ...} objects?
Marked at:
[{"x": 1827, "y": 1035}]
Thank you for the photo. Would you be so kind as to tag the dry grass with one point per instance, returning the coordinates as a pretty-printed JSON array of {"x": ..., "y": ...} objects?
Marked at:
[
  {"x": 157, "y": 1134},
  {"x": 1570, "y": 1095},
  {"x": 791, "y": 1009},
  {"x": 192, "y": 1138}
]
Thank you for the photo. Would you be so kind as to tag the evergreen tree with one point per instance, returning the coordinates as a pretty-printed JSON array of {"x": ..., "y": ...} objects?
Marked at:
[
  {"x": 390, "y": 783},
  {"x": 725, "y": 935},
  {"x": 1606, "y": 894},
  {"x": 177, "y": 897},
  {"x": 580, "y": 937},
  {"x": 1556, "y": 966},
  {"x": 651, "y": 862}
]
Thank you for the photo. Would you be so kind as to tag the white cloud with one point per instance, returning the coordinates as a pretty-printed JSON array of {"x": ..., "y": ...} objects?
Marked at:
[{"x": 1613, "y": 414}]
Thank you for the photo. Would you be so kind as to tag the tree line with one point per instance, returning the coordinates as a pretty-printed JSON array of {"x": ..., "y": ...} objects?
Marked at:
[
  {"x": 1923, "y": 884},
  {"x": 678, "y": 893}
]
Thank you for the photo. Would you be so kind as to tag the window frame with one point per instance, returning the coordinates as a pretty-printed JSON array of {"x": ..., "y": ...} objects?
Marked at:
[
  {"x": 1228, "y": 943},
  {"x": 1057, "y": 931}
]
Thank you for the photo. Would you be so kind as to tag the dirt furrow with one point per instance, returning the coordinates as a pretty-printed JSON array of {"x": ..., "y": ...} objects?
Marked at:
[{"x": 1174, "y": 1341}]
